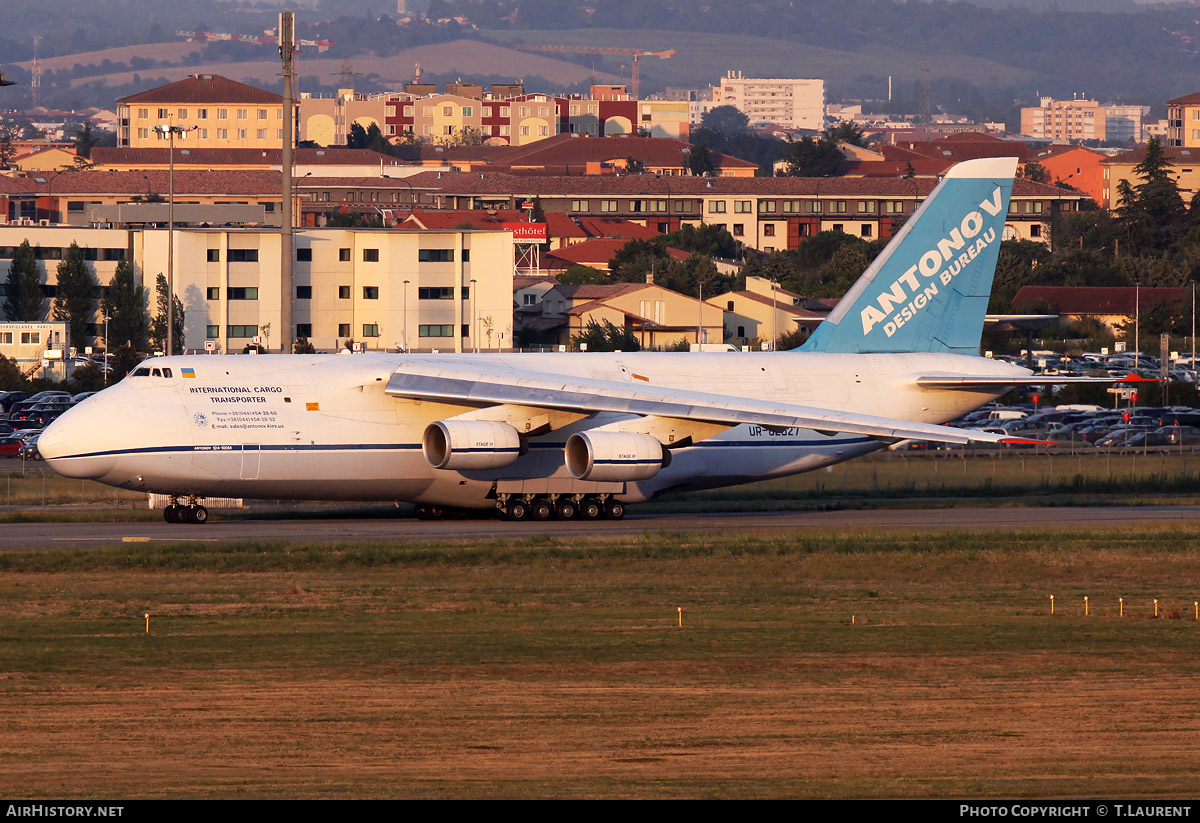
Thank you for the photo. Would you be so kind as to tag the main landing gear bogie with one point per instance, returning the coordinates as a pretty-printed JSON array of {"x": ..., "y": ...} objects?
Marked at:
[
  {"x": 560, "y": 507},
  {"x": 189, "y": 512}
]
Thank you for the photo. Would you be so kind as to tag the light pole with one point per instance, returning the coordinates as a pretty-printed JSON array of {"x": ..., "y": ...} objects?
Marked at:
[
  {"x": 404, "y": 318},
  {"x": 169, "y": 131},
  {"x": 474, "y": 315},
  {"x": 1137, "y": 320},
  {"x": 774, "y": 317},
  {"x": 106, "y": 348}
]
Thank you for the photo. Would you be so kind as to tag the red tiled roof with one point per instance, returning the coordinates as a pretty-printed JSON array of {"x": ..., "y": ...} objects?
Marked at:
[
  {"x": 615, "y": 227},
  {"x": 1192, "y": 99},
  {"x": 185, "y": 155},
  {"x": 1122, "y": 300},
  {"x": 204, "y": 88},
  {"x": 507, "y": 185},
  {"x": 187, "y": 182},
  {"x": 600, "y": 251},
  {"x": 565, "y": 149},
  {"x": 1174, "y": 154}
]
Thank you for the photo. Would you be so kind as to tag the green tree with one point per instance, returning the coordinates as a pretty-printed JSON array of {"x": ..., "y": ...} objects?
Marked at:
[
  {"x": 7, "y": 151},
  {"x": 699, "y": 161},
  {"x": 579, "y": 275},
  {"x": 76, "y": 299},
  {"x": 807, "y": 157},
  {"x": 706, "y": 240},
  {"x": 158, "y": 326},
  {"x": 10, "y": 376},
  {"x": 634, "y": 166},
  {"x": 725, "y": 119},
  {"x": 303, "y": 346},
  {"x": 124, "y": 303},
  {"x": 85, "y": 141},
  {"x": 605, "y": 336},
  {"x": 357, "y": 138},
  {"x": 637, "y": 258},
  {"x": 1034, "y": 172},
  {"x": 23, "y": 302},
  {"x": 846, "y": 132}
]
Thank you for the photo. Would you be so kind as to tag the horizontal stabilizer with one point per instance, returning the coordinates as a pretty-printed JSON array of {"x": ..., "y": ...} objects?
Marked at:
[{"x": 984, "y": 381}]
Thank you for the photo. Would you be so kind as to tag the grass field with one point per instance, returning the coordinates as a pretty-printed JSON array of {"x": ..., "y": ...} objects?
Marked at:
[{"x": 808, "y": 665}]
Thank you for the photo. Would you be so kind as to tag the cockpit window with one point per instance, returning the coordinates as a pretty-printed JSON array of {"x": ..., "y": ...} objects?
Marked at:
[
  {"x": 166, "y": 372},
  {"x": 142, "y": 372},
  {"x": 156, "y": 373}
]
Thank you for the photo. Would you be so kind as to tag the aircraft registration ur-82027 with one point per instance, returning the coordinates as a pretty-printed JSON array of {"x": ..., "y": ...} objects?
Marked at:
[{"x": 566, "y": 435}]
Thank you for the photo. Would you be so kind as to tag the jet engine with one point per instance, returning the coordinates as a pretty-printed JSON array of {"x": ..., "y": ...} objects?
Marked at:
[
  {"x": 470, "y": 444},
  {"x": 606, "y": 455}
]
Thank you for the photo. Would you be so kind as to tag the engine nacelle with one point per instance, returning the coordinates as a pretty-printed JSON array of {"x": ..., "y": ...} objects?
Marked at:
[
  {"x": 470, "y": 444},
  {"x": 603, "y": 455}
]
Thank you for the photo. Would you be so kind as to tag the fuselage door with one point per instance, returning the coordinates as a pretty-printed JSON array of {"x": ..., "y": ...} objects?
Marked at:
[{"x": 251, "y": 460}]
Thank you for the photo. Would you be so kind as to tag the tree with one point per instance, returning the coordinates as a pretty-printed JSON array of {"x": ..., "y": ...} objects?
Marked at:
[
  {"x": 634, "y": 166},
  {"x": 725, "y": 119},
  {"x": 85, "y": 141},
  {"x": 579, "y": 275},
  {"x": 303, "y": 346},
  {"x": 158, "y": 326},
  {"x": 124, "y": 304},
  {"x": 357, "y": 138},
  {"x": 847, "y": 132},
  {"x": 23, "y": 303},
  {"x": 10, "y": 376},
  {"x": 814, "y": 158},
  {"x": 699, "y": 161},
  {"x": 76, "y": 299},
  {"x": 7, "y": 152},
  {"x": 1034, "y": 172},
  {"x": 605, "y": 336},
  {"x": 376, "y": 141}
]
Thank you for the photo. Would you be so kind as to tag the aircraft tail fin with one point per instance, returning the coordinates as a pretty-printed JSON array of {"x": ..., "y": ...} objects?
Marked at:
[{"x": 928, "y": 291}]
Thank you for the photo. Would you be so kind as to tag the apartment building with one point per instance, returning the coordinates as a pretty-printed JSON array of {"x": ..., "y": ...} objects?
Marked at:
[
  {"x": 420, "y": 290},
  {"x": 1080, "y": 119},
  {"x": 788, "y": 103},
  {"x": 1183, "y": 121},
  {"x": 216, "y": 112},
  {"x": 1185, "y": 168}
]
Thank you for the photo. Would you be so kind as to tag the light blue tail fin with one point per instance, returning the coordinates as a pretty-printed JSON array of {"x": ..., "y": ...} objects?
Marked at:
[{"x": 928, "y": 291}]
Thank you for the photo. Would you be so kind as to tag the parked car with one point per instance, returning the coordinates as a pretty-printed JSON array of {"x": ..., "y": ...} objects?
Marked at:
[
  {"x": 10, "y": 446},
  {"x": 29, "y": 448}
]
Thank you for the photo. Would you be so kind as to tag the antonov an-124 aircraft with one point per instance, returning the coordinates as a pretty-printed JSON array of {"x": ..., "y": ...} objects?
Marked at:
[{"x": 572, "y": 435}]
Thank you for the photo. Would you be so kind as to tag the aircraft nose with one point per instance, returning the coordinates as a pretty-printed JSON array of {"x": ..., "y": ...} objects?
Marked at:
[{"x": 69, "y": 446}]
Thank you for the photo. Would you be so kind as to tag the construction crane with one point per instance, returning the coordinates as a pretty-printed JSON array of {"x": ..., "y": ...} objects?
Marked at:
[{"x": 636, "y": 54}]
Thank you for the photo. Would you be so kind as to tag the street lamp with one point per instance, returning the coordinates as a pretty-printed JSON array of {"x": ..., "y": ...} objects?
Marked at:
[
  {"x": 774, "y": 316},
  {"x": 404, "y": 317},
  {"x": 168, "y": 132},
  {"x": 474, "y": 315},
  {"x": 107, "y": 317},
  {"x": 1137, "y": 319}
]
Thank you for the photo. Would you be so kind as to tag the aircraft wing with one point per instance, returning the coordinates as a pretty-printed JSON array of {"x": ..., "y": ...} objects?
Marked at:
[{"x": 497, "y": 384}]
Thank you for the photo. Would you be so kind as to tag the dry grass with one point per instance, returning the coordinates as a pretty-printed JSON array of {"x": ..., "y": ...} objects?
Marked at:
[{"x": 565, "y": 674}]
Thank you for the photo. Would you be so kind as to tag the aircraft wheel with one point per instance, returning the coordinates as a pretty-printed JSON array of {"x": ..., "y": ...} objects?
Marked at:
[
  {"x": 566, "y": 509},
  {"x": 422, "y": 512},
  {"x": 541, "y": 509},
  {"x": 198, "y": 515},
  {"x": 171, "y": 514},
  {"x": 614, "y": 509},
  {"x": 590, "y": 509},
  {"x": 518, "y": 510}
]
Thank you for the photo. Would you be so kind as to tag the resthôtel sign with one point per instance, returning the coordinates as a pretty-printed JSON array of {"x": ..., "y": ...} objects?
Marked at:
[{"x": 528, "y": 232}]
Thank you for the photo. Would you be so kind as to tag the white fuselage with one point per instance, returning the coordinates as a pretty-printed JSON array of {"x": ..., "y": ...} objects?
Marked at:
[{"x": 322, "y": 426}]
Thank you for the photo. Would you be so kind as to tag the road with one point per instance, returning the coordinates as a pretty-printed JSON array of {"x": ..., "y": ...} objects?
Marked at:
[{"x": 50, "y": 535}]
